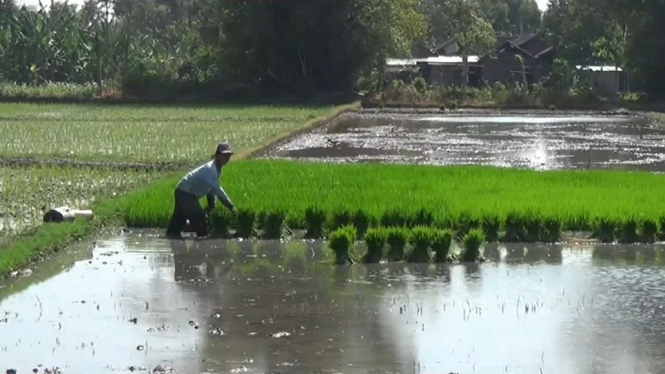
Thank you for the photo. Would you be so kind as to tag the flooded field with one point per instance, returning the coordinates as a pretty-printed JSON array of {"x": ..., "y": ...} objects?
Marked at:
[
  {"x": 541, "y": 141},
  {"x": 136, "y": 302}
]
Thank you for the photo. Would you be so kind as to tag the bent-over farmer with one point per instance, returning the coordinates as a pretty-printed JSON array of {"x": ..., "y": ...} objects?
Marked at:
[{"x": 202, "y": 181}]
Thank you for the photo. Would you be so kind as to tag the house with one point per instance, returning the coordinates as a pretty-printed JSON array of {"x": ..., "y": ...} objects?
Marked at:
[
  {"x": 605, "y": 80},
  {"x": 526, "y": 58}
]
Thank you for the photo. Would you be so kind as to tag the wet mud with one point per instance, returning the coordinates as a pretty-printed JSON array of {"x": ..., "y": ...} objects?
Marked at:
[
  {"x": 136, "y": 303},
  {"x": 541, "y": 141}
]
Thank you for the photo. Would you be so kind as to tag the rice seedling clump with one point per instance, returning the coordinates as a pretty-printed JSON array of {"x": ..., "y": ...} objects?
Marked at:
[
  {"x": 472, "y": 243},
  {"x": 397, "y": 238},
  {"x": 421, "y": 241},
  {"x": 315, "y": 220},
  {"x": 341, "y": 242},
  {"x": 441, "y": 242},
  {"x": 375, "y": 239}
]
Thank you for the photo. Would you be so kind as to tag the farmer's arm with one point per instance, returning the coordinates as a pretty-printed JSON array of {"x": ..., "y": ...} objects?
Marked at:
[
  {"x": 210, "y": 197},
  {"x": 218, "y": 191}
]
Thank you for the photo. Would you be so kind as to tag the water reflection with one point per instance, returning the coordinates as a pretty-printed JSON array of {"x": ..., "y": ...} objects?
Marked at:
[{"x": 281, "y": 307}]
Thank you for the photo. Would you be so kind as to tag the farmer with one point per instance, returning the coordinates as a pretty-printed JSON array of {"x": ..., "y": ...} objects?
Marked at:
[{"x": 204, "y": 180}]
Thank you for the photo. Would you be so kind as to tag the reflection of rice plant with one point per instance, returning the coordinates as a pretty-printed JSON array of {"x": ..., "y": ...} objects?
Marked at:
[
  {"x": 604, "y": 229},
  {"x": 375, "y": 239},
  {"x": 315, "y": 220},
  {"x": 273, "y": 224},
  {"x": 341, "y": 242},
  {"x": 397, "y": 238},
  {"x": 245, "y": 223},
  {"x": 361, "y": 222},
  {"x": 472, "y": 242},
  {"x": 441, "y": 242},
  {"x": 648, "y": 231},
  {"x": 420, "y": 240}
]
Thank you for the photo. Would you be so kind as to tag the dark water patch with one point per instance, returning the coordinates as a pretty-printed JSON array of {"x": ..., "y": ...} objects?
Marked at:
[
  {"x": 248, "y": 306},
  {"x": 565, "y": 141}
]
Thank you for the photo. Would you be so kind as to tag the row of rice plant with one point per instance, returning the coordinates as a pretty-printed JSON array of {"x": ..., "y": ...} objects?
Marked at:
[
  {"x": 508, "y": 204},
  {"x": 417, "y": 245},
  {"x": 140, "y": 133},
  {"x": 514, "y": 228}
]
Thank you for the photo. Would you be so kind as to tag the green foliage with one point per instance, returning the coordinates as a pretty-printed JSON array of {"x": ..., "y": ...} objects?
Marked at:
[
  {"x": 375, "y": 238},
  {"x": 272, "y": 224},
  {"x": 441, "y": 242},
  {"x": 605, "y": 229},
  {"x": 397, "y": 237},
  {"x": 315, "y": 219},
  {"x": 472, "y": 243},
  {"x": 341, "y": 242},
  {"x": 648, "y": 230},
  {"x": 246, "y": 219},
  {"x": 421, "y": 241}
]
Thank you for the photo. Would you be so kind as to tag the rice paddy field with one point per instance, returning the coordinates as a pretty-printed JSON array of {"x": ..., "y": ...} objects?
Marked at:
[
  {"x": 117, "y": 139},
  {"x": 140, "y": 133},
  {"x": 448, "y": 197}
]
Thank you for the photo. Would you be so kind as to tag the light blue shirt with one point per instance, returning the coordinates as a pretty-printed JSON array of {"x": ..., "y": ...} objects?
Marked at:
[{"x": 204, "y": 180}]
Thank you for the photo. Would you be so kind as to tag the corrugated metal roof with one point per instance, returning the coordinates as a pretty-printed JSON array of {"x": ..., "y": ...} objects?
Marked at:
[{"x": 599, "y": 68}]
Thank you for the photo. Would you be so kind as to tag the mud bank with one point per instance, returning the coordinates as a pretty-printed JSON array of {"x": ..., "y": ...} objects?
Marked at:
[
  {"x": 536, "y": 140},
  {"x": 95, "y": 165},
  {"x": 136, "y": 302}
]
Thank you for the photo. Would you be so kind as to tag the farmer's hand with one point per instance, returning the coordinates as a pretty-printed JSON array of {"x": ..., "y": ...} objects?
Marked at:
[{"x": 209, "y": 210}]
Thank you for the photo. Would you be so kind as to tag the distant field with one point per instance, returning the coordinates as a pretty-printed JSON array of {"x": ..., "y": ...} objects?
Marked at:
[
  {"x": 140, "y": 133},
  {"x": 25, "y": 191}
]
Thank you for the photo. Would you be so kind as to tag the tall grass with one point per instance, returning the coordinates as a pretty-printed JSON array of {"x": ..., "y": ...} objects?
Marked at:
[{"x": 525, "y": 205}]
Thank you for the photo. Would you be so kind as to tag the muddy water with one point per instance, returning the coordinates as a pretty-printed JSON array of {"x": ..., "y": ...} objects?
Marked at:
[
  {"x": 139, "y": 302},
  {"x": 542, "y": 141}
]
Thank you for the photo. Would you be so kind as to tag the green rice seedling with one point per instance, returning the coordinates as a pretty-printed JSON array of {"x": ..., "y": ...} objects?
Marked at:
[
  {"x": 421, "y": 241},
  {"x": 394, "y": 218},
  {"x": 273, "y": 224},
  {"x": 661, "y": 228},
  {"x": 245, "y": 220},
  {"x": 648, "y": 230},
  {"x": 491, "y": 226},
  {"x": 340, "y": 217},
  {"x": 397, "y": 239},
  {"x": 315, "y": 220},
  {"x": 629, "y": 231},
  {"x": 473, "y": 240},
  {"x": 220, "y": 222},
  {"x": 375, "y": 239},
  {"x": 464, "y": 223},
  {"x": 533, "y": 227},
  {"x": 341, "y": 242},
  {"x": 441, "y": 242},
  {"x": 552, "y": 227},
  {"x": 605, "y": 229},
  {"x": 361, "y": 222},
  {"x": 423, "y": 217},
  {"x": 514, "y": 227}
]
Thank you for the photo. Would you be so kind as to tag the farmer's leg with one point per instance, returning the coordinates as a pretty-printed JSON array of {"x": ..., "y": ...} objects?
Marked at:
[
  {"x": 179, "y": 216},
  {"x": 198, "y": 219}
]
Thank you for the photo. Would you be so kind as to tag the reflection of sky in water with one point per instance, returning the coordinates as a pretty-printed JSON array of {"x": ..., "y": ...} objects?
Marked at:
[{"x": 539, "y": 308}]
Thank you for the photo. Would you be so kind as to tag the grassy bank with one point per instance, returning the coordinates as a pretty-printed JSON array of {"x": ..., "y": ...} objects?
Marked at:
[
  {"x": 449, "y": 197},
  {"x": 38, "y": 242}
]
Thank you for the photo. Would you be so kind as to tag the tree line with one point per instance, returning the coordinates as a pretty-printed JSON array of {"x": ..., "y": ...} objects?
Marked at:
[{"x": 274, "y": 47}]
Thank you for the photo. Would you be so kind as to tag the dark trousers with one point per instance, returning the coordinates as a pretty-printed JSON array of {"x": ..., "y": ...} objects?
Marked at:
[{"x": 187, "y": 207}]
